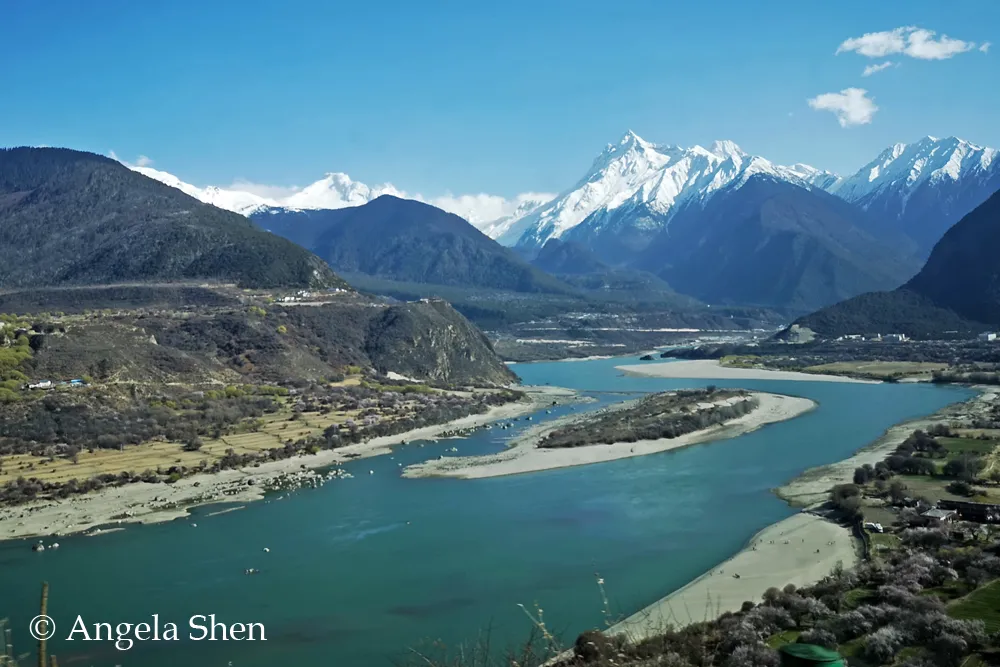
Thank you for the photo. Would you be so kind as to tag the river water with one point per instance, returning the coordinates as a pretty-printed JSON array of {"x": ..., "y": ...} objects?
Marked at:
[{"x": 361, "y": 569}]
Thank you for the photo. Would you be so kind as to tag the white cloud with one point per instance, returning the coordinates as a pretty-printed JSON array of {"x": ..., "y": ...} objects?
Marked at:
[
  {"x": 484, "y": 207},
  {"x": 141, "y": 161},
  {"x": 985, "y": 47},
  {"x": 851, "y": 106},
  {"x": 875, "y": 69},
  {"x": 910, "y": 41},
  {"x": 262, "y": 190}
]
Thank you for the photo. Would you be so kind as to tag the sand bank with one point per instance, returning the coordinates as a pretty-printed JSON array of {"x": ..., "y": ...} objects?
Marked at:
[
  {"x": 710, "y": 369},
  {"x": 783, "y": 553},
  {"x": 153, "y": 503},
  {"x": 523, "y": 455}
]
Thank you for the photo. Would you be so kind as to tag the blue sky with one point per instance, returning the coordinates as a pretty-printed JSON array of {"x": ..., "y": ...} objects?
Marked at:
[{"x": 499, "y": 97}]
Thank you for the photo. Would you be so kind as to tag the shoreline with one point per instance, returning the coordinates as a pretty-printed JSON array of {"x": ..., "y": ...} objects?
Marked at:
[
  {"x": 759, "y": 564},
  {"x": 523, "y": 456},
  {"x": 110, "y": 508},
  {"x": 812, "y": 485},
  {"x": 780, "y": 554},
  {"x": 711, "y": 369}
]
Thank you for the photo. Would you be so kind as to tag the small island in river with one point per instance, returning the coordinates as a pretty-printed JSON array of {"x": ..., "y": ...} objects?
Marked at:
[{"x": 655, "y": 423}]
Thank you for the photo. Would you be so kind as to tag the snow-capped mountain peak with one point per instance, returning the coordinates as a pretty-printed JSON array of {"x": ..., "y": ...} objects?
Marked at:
[
  {"x": 337, "y": 190},
  {"x": 906, "y": 166},
  {"x": 726, "y": 149},
  {"x": 640, "y": 175}
]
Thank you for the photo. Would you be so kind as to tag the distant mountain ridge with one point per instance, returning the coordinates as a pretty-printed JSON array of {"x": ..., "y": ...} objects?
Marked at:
[
  {"x": 70, "y": 217},
  {"x": 771, "y": 243},
  {"x": 957, "y": 289},
  {"x": 405, "y": 240},
  {"x": 923, "y": 188},
  {"x": 490, "y": 213}
]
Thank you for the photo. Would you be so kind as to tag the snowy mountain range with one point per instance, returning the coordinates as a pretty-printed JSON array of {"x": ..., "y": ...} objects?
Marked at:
[
  {"x": 634, "y": 188},
  {"x": 638, "y": 184},
  {"x": 491, "y": 214},
  {"x": 922, "y": 189}
]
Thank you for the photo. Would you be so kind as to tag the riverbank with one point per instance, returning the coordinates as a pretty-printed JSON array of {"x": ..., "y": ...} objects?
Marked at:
[
  {"x": 812, "y": 486},
  {"x": 155, "y": 503},
  {"x": 711, "y": 369},
  {"x": 799, "y": 550},
  {"x": 525, "y": 456}
]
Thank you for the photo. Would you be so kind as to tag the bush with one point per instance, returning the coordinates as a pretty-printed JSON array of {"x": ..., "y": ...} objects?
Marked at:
[{"x": 593, "y": 645}]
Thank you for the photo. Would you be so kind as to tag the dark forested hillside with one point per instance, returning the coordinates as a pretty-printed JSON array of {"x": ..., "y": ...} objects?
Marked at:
[
  {"x": 406, "y": 240},
  {"x": 69, "y": 217},
  {"x": 958, "y": 288},
  {"x": 567, "y": 257}
]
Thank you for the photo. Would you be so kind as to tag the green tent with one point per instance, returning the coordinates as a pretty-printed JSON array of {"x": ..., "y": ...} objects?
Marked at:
[{"x": 809, "y": 655}]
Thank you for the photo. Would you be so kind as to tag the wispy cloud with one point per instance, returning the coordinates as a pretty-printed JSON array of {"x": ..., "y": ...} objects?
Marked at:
[
  {"x": 141, "y": 161},
  {"x": 985, "y": 47},
  {"x": 910, "y": 41},
  {"x": 851, "y": 106},
  {"x": 265, "y": 191},
  {"x": 484, "y": 207},
  {"x": 875, "y": 69}
]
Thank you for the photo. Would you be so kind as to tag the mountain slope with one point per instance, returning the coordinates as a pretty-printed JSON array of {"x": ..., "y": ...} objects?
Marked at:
[
  {"x": 406, "y": 240},
  {"x": 772, "y": 243},
  {"x": 958, "y": 288},
  {"x": 566, "y": 257},
  {"x": 69, "y": 217},
  {"x": 633, "y": 189},
  {"x": 923, "y": 188}
]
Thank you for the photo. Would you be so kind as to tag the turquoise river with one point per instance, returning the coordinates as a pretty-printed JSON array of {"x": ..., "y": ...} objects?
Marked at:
[{"x": 361, "y": 569}]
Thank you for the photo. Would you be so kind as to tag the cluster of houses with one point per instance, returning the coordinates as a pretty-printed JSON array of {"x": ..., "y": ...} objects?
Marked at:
[
  {"x": 49, "y": 384},
  {"x": 987, "y": 337},
  {"x": 304, "y": 295},
  {"x": 949, "y": 510},
  {"x": 885, "y": 338}
]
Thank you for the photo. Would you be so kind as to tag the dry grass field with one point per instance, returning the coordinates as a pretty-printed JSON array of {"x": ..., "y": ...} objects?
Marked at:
[
  {"x": 275, "y": 431},
  {"x": 880, "y": 369}
]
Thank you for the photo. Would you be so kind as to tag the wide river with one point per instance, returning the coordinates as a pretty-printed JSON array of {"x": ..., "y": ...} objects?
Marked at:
[{"x": 361, "y": 569}]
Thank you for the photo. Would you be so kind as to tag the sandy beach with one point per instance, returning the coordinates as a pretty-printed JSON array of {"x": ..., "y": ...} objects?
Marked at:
[
  {"x": 710, "y": 369},
  {"x": 524, "y": 456},
  {"x": 783, "y": 553},
  {"x": 154, "y": 503}
]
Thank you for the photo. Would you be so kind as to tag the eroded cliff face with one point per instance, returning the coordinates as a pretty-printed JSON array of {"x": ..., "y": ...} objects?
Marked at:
[{"x": 431, "y": 340}]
